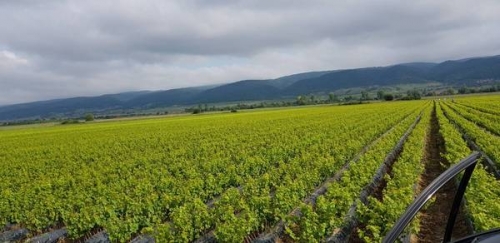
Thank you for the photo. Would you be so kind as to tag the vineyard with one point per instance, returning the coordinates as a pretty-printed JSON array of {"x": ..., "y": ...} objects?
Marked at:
[{"x": 309, "y": 174}]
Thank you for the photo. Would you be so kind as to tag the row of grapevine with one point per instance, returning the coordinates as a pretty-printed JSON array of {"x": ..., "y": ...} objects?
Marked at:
[
  {"x": 272, "y": 234},
  {"x": 486, "y": 105},
  {"x": 484, "y": 189},
  {"x": 487, "y": 141},
  {"x": 488, "y": 121},
  {"x": 332, "y": 208},
  {"x": 232, "y": 176},
  {"x": 379, "y": 214},
  {"x": 136, "y": 175},
  {"x": 180, "y": 169},
  {"x": 262, "y": 202}
]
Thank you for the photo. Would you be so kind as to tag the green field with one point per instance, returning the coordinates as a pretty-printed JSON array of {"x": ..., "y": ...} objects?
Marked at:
[{"x": 240, "y": 176}]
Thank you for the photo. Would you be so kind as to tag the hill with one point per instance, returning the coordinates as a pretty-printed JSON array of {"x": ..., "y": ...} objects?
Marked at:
[
  {"x": 239, "y": 91},
  {"x": 457, "y": 73},
  {"x": 365, "y": 77}
]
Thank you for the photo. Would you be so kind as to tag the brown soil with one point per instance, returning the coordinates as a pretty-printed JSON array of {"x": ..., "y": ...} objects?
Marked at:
[
  {"x": 378, "y": 191},
  {"x": 433, "y": 218}
]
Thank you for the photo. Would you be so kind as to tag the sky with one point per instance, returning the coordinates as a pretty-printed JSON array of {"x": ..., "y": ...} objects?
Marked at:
[{"x": 55, "y": 48}]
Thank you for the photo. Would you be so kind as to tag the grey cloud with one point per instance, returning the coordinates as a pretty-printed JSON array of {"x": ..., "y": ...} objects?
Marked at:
[{"x": 93, "y": 47}]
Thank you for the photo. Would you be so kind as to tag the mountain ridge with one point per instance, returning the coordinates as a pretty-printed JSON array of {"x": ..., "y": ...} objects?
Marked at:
[{"x": 467, "y": 71}]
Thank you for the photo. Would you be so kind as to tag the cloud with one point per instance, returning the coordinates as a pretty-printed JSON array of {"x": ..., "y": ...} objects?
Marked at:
[
  {"x": 10, "y": 60},
  {"x": 52, "y": 49}
]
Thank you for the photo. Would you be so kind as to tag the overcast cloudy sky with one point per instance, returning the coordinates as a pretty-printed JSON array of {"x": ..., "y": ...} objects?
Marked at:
[{"x": 53, "y": 49}]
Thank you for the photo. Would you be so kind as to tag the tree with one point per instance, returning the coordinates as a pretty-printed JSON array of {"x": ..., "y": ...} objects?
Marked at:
[
  {"x": 332, "y": 98},
  {"x": 89, "y": 117},
  {"x": 365, "y": 95},
  {"x": 388, "y": 97},
  {"x": 450, "y": 91},
  {"x": 301, "y": 100},
  {"x": 464, "y": 90},
  {"x": 414, "y": 95},
  {"x": 312, "y": 99},
  {"x": 380, "y": 94},
  {"x": 431, "y": 93}
]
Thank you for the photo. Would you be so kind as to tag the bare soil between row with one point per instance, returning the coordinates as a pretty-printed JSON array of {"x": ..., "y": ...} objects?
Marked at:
[{"x": 434, "y": 217}]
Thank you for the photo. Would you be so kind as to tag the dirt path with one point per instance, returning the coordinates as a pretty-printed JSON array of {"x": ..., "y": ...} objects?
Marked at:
[{"x": 433, "y": 219}]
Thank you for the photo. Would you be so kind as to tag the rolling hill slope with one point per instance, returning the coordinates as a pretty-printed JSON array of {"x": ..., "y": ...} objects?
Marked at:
[
  {"x": 239, "y": 91},
  {"x": 471, "y": 71}
]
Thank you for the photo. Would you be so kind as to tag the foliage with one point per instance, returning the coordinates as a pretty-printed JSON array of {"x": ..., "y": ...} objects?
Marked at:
[
  {"x": 380, "y": 94},
  {"x": 129, "y": 175},
  {"x": 332, "y": 208},
  {"x": 365, "y": 95},
  {"x": 89, "y": 117},
  {"x": 414, "y": 94},
  {"x": 388, "y": 97},
  {"x": 379, "y": 216},
  {"x": 158, "y": 175},
  {"x": 70, "y": 121},
  {"x": 484, "y": 189}
]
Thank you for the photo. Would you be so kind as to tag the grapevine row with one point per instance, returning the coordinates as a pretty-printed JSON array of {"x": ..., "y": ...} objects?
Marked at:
[
  {"x": 485, "y": 106},
  {"x": 91, "y": 177},
  {"x": 484, "y": 189},
  {"x": 302, "y": 179},
  {"x": 379, "y": 215},
  {"x": 488, "y": 121},
  {"x": 333, "y": 207},
  {"x": 484, "y": 139},
  {"x": 279, "y": 228}
]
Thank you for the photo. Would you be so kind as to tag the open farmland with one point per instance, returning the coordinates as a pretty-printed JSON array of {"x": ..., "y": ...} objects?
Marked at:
[{"x": 304, "y": 174}]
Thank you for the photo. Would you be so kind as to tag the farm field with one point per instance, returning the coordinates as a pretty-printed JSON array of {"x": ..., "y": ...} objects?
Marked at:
[{"x": 309, "y": 174}]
